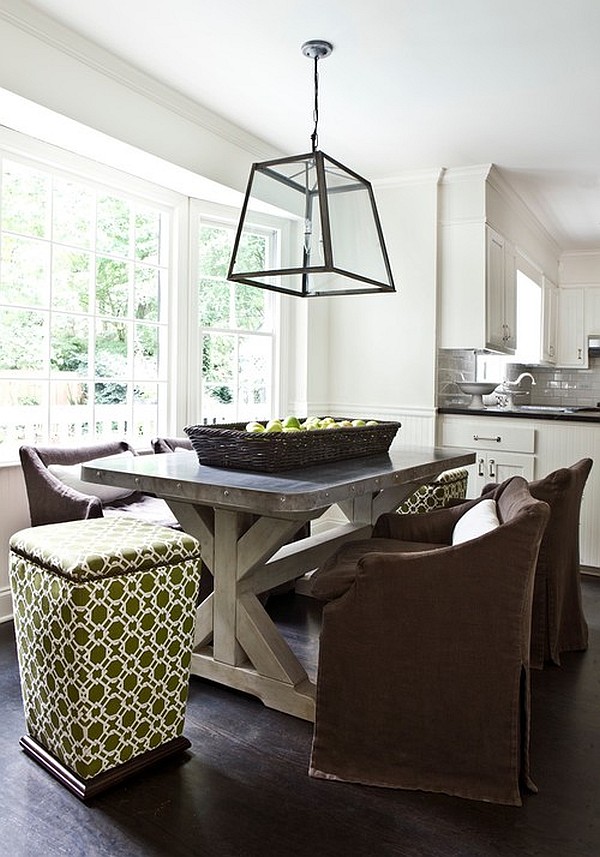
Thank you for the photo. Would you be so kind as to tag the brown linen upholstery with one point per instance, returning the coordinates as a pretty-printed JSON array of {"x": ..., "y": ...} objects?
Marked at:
[
  {"x": 558, "y": 622},
  {"x": 423, "y": 679},
  {"x": 52, "y": 502},
  {"x": 170, "y": 444}
]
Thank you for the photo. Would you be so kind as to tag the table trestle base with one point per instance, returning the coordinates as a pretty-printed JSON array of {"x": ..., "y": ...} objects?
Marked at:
[{"x": 297, "y": 700}]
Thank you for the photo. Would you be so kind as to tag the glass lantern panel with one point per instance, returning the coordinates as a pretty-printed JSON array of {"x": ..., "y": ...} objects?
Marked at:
[{"x": 355, "y": 237}]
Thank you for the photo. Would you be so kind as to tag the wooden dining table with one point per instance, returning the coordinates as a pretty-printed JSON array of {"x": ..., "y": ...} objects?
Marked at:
[{"x": 244, "y": 522}]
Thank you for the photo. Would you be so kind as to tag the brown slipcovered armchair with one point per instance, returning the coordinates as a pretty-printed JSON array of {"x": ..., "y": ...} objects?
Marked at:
[
  {"x": 51, "y": 501},
  {"x": 423, "y": 677},
  {"x": 558, "y": 623},
  {"x": 170, "y": 444}
]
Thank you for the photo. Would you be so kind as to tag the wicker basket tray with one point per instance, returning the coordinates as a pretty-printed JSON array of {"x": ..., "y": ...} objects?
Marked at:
[{"x": 230, "y": 445}]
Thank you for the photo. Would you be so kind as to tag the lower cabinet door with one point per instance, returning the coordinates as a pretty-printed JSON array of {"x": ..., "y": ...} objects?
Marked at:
[{"x": 497, "y": 466}]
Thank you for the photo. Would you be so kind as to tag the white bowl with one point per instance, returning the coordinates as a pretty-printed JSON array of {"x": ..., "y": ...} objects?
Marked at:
[{"x": 477, "y": 388}]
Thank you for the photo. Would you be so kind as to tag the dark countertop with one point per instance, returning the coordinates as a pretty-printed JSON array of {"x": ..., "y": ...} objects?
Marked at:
[{"x": 566, "y": 415}]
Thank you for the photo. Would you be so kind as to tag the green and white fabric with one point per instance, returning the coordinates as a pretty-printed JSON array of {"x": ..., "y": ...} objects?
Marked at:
[
  {"x": 104, "y": 616},
  {"x": 450, "y": 485}
]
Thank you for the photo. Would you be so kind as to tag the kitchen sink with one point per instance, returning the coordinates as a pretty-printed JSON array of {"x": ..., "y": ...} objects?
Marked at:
[
  {"x": 551, "y": 409},
  {"x": 560, "y": 409}
]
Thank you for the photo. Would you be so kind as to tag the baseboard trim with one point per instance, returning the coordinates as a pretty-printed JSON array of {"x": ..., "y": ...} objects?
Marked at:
[{"x": 6, "y": 613}]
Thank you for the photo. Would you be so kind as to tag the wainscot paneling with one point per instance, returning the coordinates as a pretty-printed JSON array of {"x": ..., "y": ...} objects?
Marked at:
[{"x": 15, "y": 516}]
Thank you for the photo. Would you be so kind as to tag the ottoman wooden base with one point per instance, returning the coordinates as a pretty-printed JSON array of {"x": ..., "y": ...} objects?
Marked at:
[{"x": 87, "y": 789}]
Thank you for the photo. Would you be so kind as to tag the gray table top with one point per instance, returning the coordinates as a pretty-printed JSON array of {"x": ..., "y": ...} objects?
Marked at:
[{"x": 179, "y": 476}]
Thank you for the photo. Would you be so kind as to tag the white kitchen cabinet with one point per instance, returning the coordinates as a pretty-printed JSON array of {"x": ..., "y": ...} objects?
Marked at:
[
  {"x": 556, "y": 443},
  {"x": 592, "y": 311},
  {"x": 502, "y": 446},
  {"x": 572, "y": 341},
  {"x": 501, "y": 294},
  {"x": 549, "y": 322},
  {"x": 498, "y": 466},
  {"x": 478, "y": 307},
  {"x": 561, "y": 443}
]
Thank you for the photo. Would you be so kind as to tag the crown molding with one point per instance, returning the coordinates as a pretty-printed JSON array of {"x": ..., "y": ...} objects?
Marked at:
[
  {"x": 453, "y": 175},
  {"x": 411, "y": 177},
  {"x": 518, "y": 205},
  {"x": 60, "y": 38},
  {"x": 579, "y": 253}
]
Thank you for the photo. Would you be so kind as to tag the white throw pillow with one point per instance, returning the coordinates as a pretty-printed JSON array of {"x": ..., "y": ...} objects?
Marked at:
[
  {"x": 476, "y": 522},
  {"x": 70, "y": 475}
]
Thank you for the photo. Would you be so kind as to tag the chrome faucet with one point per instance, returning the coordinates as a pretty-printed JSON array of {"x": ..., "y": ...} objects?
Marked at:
[
  {"x": 509, "y": 384},
  {"x": 507, "y": 390}
]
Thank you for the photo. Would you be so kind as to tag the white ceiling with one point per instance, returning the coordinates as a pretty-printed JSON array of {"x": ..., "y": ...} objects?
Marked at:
[{"x": 411, "y": 84}]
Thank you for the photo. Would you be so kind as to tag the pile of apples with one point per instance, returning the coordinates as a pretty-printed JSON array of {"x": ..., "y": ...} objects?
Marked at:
[{"x": 291, "y": 424}]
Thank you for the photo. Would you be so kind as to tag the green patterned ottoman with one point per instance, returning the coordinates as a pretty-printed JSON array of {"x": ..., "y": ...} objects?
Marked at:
[{"x": 104, "y": 618}]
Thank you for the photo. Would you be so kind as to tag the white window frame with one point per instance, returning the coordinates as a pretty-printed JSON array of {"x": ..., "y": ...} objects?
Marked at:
[
  {"x": 206, "y": 213},
  {"x": 20, "y": 147}
]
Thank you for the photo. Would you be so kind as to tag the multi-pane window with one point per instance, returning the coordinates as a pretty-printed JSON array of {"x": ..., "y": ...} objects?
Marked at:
[
  {"x": 237, "y": 329},
  {"x": 83, "y": 309}
]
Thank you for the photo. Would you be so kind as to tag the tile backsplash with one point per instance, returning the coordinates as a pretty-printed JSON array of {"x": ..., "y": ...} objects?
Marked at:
[
  {"x": 454, "y": 365},
  {"x": 567, "y": 387},
  {"x": 564, "y": 387}
]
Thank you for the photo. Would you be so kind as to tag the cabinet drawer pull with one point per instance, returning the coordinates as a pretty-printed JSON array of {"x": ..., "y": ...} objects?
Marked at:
[
  {"x": 480, "y": 465},
  {"x": 497, "y": 439}
]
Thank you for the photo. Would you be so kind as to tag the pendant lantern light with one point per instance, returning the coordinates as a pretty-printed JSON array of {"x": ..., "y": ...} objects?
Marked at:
[{"x": 335, "y": 243}]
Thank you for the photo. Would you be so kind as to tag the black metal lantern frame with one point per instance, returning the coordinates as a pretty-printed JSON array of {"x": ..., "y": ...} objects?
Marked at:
[{"x": 336, "y": 245}]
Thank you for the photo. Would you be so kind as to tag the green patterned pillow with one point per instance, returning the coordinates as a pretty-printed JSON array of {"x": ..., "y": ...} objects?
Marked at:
[{"x": 450, "y": 485}]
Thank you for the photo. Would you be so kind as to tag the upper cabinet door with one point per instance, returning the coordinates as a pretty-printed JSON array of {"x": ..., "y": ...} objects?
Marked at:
[
  {"x": 501, "y": 294},
  {"x": 572, "y": 345},
  {"x": 549, "y": 322},
  {"x": 510, "y": 297},
  {"x": 592, "y": 311}
]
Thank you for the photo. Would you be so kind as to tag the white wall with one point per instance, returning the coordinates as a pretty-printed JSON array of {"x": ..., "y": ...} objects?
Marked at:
[
  {"x": 383, "y": 347},
  {"x": 580, "y": 269}
]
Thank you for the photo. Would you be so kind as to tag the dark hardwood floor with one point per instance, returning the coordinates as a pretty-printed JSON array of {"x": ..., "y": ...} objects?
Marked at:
[{"x": 243, "y": 789}]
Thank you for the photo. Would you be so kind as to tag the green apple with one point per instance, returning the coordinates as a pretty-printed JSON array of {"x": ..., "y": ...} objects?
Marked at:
[
  {"x": 371, "y": 423},
  {"x": 288, "y": 429},
  {"x": 327, "y": 421},
  {"x": 357, "y": 423},
  {"x": 345, "y": 424},
  {"x": 291, "y": 422},
  {"x": 255, "y": 427},
  {"x": 274, "y": 425},
  {"x": 332, "y": 425}
]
